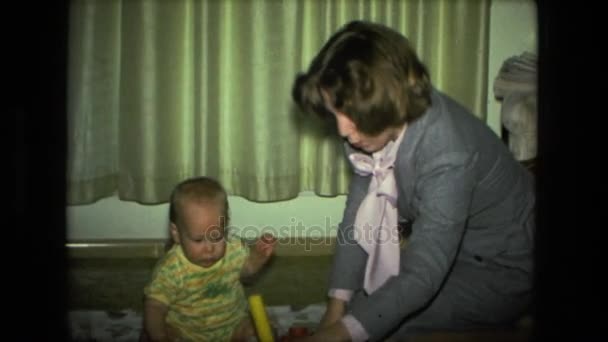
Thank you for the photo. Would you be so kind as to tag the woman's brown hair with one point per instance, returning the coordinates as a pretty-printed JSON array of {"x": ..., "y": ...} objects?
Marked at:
[{"x": 370, "y": 73}]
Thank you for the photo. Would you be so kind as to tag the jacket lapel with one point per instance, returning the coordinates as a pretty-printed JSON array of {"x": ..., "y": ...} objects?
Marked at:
[{"x": 405, "y": 165}]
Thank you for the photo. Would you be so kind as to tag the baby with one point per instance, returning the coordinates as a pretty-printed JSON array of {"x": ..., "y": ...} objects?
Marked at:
[{"x": 196, "y": 293}]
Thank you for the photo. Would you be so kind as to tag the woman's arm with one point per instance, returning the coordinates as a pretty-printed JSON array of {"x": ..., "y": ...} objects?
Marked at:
[
  {"x": 444, "y": 191},
  {"x": 348, "y": 266},
  {"x": 334, "y": 311}
]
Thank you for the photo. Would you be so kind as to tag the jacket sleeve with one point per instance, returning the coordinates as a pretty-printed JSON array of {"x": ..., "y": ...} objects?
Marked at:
[
  {"x": 349, "y": 261},
  {"x": 442, "y": 199}
]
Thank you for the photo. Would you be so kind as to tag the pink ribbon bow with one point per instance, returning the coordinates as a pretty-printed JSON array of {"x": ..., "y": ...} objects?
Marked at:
[{"x": 377, "y": 218}]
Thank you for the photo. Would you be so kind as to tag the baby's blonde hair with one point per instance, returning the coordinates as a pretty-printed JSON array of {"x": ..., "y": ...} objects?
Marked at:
[{"x": 198, "y": 189}]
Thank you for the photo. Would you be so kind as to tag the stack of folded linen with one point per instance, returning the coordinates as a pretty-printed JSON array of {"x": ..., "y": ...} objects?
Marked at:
[
  {"x": 516, "y": 85},
  {"x": 517, "y": 74}
]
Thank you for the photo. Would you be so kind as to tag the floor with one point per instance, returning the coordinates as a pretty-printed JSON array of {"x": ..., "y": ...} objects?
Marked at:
[
  {"x": 105, "y": 295},
  {"x": 117, "y": 283}
]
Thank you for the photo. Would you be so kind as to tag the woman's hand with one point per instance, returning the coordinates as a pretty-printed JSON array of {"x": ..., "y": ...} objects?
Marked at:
[
  {"x": 333, "y": 313},
  {"x": 332, "y": 333}
]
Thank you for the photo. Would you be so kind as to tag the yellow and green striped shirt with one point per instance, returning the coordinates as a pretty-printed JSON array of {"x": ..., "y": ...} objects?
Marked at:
[{"x": 205, "y": 304}]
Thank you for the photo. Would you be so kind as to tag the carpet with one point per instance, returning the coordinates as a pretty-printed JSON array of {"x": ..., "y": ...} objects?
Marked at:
[{"x": 125, "y": 325}]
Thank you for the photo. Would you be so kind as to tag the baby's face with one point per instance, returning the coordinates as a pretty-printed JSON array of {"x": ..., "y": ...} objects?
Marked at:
[{"x": 200, "y": 233}]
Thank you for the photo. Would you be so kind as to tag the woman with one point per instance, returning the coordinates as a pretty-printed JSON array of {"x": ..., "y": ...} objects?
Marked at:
[{"x": 421, "y": 160}]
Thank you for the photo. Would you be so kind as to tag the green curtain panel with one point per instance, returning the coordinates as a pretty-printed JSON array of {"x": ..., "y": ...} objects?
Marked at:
[{"x": 162, "y": 90}]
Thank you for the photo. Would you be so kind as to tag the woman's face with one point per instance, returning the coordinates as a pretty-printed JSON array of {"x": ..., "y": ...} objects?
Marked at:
[
  {"x": 370, "y": 144},
  {"x": 348, "y": 130}
]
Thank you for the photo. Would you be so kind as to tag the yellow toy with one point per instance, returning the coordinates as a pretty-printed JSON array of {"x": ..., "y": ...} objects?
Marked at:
[{"x": 260, "y": 318}]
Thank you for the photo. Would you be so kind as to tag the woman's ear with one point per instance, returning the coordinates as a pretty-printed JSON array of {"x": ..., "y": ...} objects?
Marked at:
[{"x": 174, "y": 232}]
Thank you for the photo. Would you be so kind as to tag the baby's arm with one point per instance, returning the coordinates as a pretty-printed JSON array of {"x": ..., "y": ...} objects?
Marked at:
[
  {"x": 259, "y": 255},
  {"x": 154, "y": 320}
]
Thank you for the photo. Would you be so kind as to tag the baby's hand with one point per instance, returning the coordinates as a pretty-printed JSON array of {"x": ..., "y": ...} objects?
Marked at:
[
  {"x": 259, "y": 256},
  {"x": 265, "y": 244}
]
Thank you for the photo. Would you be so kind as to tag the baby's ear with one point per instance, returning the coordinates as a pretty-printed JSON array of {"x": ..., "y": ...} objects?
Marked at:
[
  {"x": 174, "y": 232},
  {"x": 268, "y": 238}
]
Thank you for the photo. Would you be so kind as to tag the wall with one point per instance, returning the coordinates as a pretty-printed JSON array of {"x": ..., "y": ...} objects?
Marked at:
[
  {"x": 512, "y": 31},
  {"x": 110, "y": 218}
]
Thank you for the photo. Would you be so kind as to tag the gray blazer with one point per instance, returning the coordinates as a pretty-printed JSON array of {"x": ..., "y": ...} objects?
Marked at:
[{"x": 467, "y": 198}]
